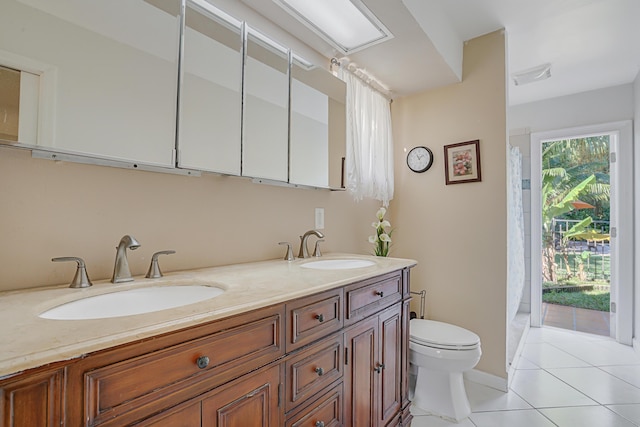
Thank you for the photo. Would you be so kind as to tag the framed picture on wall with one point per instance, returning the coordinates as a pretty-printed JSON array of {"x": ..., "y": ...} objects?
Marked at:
[{"x": 462, "y": 162}]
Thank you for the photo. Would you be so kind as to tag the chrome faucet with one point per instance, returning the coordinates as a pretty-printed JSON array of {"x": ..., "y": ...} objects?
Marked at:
[
  {"x": 121, "y": 272},
  {"x": 304, "y": 251}
]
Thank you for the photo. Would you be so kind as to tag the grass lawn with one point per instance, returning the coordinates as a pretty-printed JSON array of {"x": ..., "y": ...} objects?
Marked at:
[{"x": 593, "y": 300}]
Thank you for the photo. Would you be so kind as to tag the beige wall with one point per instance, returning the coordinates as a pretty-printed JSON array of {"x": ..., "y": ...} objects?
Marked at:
[
  {"x": 457, "y": 233},
  {"x": 52, "y": 209}
]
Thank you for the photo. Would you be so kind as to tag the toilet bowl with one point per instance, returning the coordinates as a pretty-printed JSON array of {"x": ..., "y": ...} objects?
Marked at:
[{"x": 439, "y": 353}]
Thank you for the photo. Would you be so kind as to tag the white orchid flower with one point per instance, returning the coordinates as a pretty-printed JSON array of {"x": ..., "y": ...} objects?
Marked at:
[
  {"x": 385, "y": 237},
  {"x": 373, "y": 239},
  {"x": 381, "y": 213},
  {"x": 385, "y": 223}
]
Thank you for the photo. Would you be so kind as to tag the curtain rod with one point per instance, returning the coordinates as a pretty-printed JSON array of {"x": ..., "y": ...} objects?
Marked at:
[{"x": 364, "y": 77}]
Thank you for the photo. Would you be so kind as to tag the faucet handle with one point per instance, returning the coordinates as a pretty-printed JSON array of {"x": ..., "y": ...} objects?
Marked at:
[
  {"x": 154, "y": 269},
  {"x": 316, "y": 250},
  {"x": 81, "y": 279},
  {"x": 289, "y": 256}
]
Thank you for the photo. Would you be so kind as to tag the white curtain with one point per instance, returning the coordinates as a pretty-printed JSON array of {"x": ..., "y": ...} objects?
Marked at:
[
  {"x": 369, "y": 157},
  {"x": 515, "y": 234}
]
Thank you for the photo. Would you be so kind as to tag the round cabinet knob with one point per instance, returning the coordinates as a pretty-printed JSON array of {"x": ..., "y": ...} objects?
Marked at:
[
  {"x": 202, "y": 362},
  {"x": 320, "y": 317},
  {"x": 319, "y": 423},
  {"x": 380, "y": 294},
  {"x": 378, "y": 369},
  {"x": 320, "y": 371}
]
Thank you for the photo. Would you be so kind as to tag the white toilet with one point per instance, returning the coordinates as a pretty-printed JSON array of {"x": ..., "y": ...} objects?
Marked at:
[{"x": 439, "y": 353}]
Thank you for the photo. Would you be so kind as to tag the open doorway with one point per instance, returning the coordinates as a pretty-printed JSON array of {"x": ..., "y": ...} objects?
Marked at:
[
  {"x": 570, "y": 256},
  {"x": 576, "y": 255}
]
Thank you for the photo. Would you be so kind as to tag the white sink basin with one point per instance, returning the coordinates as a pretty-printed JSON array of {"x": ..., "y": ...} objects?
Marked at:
[
  {"x": 130, "y": 302},
  {"x": 338, "y": 264}
]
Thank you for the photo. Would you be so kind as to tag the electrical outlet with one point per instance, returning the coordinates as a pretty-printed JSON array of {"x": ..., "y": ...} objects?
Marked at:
[{"x": 319, "y": 218}]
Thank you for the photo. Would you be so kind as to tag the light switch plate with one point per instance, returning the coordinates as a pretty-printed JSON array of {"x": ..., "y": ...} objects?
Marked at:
[{"x": 319, "y": 218}]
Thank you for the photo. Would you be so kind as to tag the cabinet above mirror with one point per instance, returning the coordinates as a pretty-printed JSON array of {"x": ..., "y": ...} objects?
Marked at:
[
  {"x": 105, "y": 76},
  {"x": 317, "y": 129},
  {"x": 210, "y": 106},
  {"x": 265, "y": 118},
  {"x": 170, "y": 85}
]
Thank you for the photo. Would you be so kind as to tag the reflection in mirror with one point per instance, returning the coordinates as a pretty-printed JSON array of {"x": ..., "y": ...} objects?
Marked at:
[
  {"x": 111, "y": 67},
  {"x": 211, "y": 91},
  {"x": 9, "y": 103},
  {"x": 266, "y": 116},
  {"x": 19, "y": 100},
  {"x": 317, "y": 117}
]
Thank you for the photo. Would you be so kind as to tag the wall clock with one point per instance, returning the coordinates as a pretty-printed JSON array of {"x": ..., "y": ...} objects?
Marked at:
[{"x": 419, "y": 159}]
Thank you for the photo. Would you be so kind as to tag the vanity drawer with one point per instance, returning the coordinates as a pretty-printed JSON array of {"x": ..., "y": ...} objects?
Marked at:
[
  {"x": 311, "y": 370},
  {"x": 313, "y": 317},
  {"x": 367, "y": 297},
  {"x": 326, "y": 411},
  {"x": 140, "y": 386}
]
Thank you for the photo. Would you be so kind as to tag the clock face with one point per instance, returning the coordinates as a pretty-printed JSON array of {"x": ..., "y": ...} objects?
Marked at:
[{"x": 419, "y": 159}]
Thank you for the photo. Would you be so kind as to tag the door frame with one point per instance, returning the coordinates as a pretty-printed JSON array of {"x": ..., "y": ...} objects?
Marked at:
[{"x": 622, "y": 256}]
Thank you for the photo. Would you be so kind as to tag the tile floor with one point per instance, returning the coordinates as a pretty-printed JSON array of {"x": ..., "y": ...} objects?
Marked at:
[{"x": 563, "y": 379}]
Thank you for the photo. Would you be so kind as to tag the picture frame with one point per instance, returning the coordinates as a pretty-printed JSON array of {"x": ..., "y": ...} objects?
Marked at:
[{"x": 462, "y": 162}]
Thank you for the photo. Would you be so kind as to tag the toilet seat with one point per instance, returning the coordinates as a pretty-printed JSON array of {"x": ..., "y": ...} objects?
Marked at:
[{"x": 431, "y": 333}]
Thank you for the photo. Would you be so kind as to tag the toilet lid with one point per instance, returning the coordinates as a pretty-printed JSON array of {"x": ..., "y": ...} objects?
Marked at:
[{"x": 442, "y": 335}]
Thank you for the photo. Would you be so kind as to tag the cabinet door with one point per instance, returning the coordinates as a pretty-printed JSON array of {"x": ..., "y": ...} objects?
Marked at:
[
  {"x": 32, "y": 401},
  {"x": 390, "y": 371},
  {"x": 185, "y": 415},
  {"x": 360, "y": 377},
  {"x": 250, "y": 401}
]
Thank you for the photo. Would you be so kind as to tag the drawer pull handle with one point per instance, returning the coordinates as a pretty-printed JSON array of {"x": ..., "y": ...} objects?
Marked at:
[
  {"x": 320, "y": 371},
  {"x": 319, "y": 423},
  {"x": 379, "y": 368},
  {"x": 202, "y": 362},
  {"x": 320, "y": 317},
  {"x": 380, "y": 294}
]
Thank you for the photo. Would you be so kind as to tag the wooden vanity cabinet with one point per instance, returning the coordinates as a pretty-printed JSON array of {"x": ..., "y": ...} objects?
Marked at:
[
  {"x": 335, "y": 358},
  {"x": 33, "y": 400},
  {"x": 135, "y": 381},
  {"x": 374, "y": 373}
]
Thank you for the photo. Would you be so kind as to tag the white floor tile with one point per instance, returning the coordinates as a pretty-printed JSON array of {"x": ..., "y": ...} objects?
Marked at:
[
  {"x": 629, "y": 373},
  {"x": 542, "y": 390},
  {"x": 524, "y": 363},
  {"x": 523, "y": 418},
  {"x": 552, "y": 335},
  {"x": 431, "y": 421},
  {"x": 483, "y": 399},
  {"x": 601, "y": 386},
  {"x": 600, "y": 353},
  {"x": 630, "y": 412},
  {"x": 585, "y": 416},
  {"x": 547, "y": 355}
]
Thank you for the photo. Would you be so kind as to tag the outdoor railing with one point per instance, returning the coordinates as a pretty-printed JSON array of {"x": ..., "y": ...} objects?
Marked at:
[{"x": 594, "y": 255}]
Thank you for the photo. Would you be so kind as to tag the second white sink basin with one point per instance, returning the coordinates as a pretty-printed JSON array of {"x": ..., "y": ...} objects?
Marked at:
[
  {"x": 130, "y": 302},
  {"x": 338, "y": 264}
]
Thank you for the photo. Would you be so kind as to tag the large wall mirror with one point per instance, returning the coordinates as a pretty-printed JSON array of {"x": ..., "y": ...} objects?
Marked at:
[
  {"x": 104, "y": 75},
  {"x": 134, "y": 80},
  {"x": 211, "y": 91},
  {"x": 266, "y": 109},
  {"x": 317, "y": 128}
]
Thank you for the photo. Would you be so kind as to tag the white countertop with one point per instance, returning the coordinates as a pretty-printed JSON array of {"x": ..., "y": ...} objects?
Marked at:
[{"x": 28, "y": 341}]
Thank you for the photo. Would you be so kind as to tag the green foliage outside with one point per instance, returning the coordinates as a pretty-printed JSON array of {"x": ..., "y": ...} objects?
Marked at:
[
  {"x": 596, "y": 268},
  {"x": 592, "y": 300}
]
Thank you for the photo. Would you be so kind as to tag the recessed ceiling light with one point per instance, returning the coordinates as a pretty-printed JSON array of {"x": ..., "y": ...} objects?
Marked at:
[
  {"x": 346, "y": 24},
  {"x": 541, "y": 72}
]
